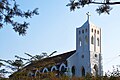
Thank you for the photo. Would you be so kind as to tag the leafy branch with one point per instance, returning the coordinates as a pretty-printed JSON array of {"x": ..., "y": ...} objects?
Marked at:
[
  {"x": 9, "y": 9},
  {"x": 104, "y": 8}
]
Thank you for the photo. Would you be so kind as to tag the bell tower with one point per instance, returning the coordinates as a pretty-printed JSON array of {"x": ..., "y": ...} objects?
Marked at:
[{"x": 88, "y": 48}]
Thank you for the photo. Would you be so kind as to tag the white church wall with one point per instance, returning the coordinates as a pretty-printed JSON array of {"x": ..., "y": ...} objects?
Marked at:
[
  {"x": 96, "y": 33},
  {"x": 72, "y": 61},
  {"x": 95, "y": 48},
  {"x": 87, "y": 49}
]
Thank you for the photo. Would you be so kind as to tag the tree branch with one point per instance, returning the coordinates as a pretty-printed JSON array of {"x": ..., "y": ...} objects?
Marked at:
[{"x": 110, "y": 3}]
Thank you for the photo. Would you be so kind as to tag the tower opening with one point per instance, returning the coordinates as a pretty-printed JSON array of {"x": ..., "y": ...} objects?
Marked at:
[
  {"x": 98, "y": 42},
  {"x": 92, "y": 40},
  {"x": 83, "y": 71},
  {"x": 80, "y": 41}
]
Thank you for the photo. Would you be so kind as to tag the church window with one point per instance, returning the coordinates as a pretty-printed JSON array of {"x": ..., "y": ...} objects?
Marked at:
[
  {"x": 45, "y": 70},
  {"x": 97, "y": 32},
  {"x": 83, "y": 71},
  {"x": 80, "y": 42},
  {"x": 63, "y": 69},
  {"x": 37, "y": 72},
  {"x": 86, "y": 30},
  {"x": 30, "y": 74},
  {"x": 98, "y": 42},
  {"x": 73, "y": 70},
  {"x": 83, "y": 31},
  {"x": 53, "y": 68},
  {"x": 86, "y": 39},
  {"x": 95, "y": 55},
  {"x": 82, "y": 56},
  {"x": 92, "y": 40},
  {"x": 79, "y": 32},
  {"x": 92, "y": 29}
]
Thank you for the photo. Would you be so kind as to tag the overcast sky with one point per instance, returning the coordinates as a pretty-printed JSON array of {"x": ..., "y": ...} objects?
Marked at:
[{"x": 54, "y": 29}]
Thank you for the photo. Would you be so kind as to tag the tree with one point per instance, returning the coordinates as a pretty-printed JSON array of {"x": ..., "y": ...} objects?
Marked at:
[
  {"x": 9, "y": 9},
  {"x": 2, "y": 71},
  {"x": 104, "y": 8},
  {"x": 13, "y": 64},
  {"x": 20, "y": 62},
  {"x": 1, "y": 64},
  {"x": 35, "y": 58}
]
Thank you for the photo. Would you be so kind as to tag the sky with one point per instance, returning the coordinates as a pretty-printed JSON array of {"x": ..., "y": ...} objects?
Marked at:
[{"x": 54, "y": 29}]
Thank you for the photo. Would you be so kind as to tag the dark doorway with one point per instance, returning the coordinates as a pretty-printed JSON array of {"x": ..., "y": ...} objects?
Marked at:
[
  {"x": 96, "y": 70},
  {"x": 73, "y": 70},
  {"x": 83, "y": 71}
]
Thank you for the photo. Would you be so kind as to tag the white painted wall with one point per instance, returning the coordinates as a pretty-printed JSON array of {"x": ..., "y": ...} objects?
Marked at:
[{"x": 84, "y": 47}]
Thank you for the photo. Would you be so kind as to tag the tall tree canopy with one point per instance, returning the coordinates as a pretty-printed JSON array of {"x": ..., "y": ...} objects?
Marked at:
[
  {"x": 105, "y": 5},
  {"x": 9, "y": 9}
]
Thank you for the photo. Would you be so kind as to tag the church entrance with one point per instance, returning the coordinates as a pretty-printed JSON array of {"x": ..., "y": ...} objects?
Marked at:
[
  {"x": 83, "y": 71},
  {"x": 73, "y": 70},
  {"x": 96, "y": 70}
]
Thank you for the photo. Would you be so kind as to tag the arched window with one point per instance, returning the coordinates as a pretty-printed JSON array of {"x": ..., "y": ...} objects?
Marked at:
[
  {"x": 79, "y": 32},
  {"x": 98, "y": 42},
  {"x": 30, "y": 74},
  {"x": 96, "y": 69},
  {"x": 82, "y": 56},
  {"x": 53, "y": 68},
  {"x": 92, "y": 40},
  {"x": 73, "y": 70},
  {"x": 86, "y": 39},
  {"x": 86, "y": 30},
  {"x": 45, "y": 70},
  {"x": 80, "y": 41},
  {"x": 95, "y": 55},
  {"x": 62, "y": 67},
  {"x": 83, "y": 71},
  {"x": 37, "y": 72},
  {"x": 92, "y": 30},
  {"x": 83, "y": 31},
  {"x": 97, "y": 32}
]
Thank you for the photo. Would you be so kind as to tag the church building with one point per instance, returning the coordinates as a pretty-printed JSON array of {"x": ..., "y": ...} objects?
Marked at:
[{"x": 85, "y": 59}]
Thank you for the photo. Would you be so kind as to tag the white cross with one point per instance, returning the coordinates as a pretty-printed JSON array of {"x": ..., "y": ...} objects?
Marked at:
[{"x": 88, "y": 15}]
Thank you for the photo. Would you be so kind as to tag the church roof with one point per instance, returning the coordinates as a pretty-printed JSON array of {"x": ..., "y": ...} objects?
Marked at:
[
  {"x": 88, "y": 23},
  {"x": 47, "y": 62},
  {"x": 52, "y": 60}
]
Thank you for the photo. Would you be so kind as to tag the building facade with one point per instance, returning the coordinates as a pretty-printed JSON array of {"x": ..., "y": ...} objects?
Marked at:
[{"x": 85, "y": 59}]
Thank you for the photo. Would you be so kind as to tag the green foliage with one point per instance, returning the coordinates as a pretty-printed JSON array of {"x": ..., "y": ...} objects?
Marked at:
[
  {"x": 104, "y": 8},
  {"x": 9, "y": 9}
]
